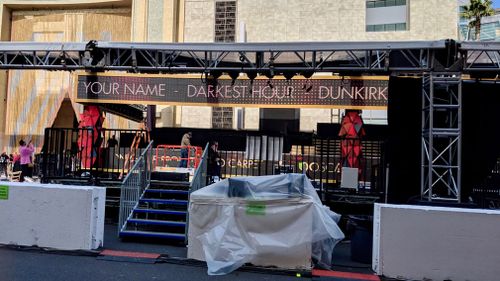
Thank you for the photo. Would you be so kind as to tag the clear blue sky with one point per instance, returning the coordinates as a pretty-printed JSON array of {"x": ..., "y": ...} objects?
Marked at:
[{"x": 496, "y": 3}]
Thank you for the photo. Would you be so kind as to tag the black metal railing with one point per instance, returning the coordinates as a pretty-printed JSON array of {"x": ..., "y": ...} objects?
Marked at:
[
  {"x": 487, "y": 194},
  {"x": 321, "y": 161},
  {"x": 88, "y": 154}
]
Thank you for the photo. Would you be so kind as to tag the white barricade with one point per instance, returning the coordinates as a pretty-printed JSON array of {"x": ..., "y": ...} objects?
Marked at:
[
  {"x": 436, "y": 243},
  {"x": 55, "y": 216}
]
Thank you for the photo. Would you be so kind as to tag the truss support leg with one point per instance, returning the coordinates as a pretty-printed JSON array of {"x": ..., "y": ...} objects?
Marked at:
[{"x": 441, "y": 137}]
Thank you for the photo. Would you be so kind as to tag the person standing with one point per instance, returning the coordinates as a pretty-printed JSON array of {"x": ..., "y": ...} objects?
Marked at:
[
  {"x": 112, "y": 142},
  {"x": 214, "y": 159},
  {"x": 15, "y": 159},
  {"x": 4, "y": 160},
  {"x": 185, "y": 145},
  {"x": 26, "y": 152}
]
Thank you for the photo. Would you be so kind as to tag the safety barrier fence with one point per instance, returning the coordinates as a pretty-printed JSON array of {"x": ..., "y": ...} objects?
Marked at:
[
  {"x": 321, "y": 161},
  {"x": 137, "y": 180},
  {"x": 88, "y": 154},
  {"x": 171, "y": 156},
  {"x": 487, "y": 194}
]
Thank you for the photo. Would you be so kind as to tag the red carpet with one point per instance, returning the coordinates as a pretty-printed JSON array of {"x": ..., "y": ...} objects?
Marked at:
[{"x": 347, "y": 275}]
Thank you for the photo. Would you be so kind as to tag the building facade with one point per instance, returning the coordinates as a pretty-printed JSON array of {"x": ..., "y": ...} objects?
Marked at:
[{"x": 33, "y": 100}]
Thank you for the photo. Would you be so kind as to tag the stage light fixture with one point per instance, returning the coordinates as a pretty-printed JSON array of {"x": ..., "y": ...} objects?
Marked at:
[
  {"x": 269, "y": 74},
  {"x": 251, "y": 76},
  {"x": 288, "y": 75},
  {"x": 234, "y": 76},
  {"x": 307, "y": 74},
  {"x": 215, "y": 74}
]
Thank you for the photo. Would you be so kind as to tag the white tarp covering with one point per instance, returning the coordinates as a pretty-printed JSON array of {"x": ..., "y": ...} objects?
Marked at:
[{"x": 269, "y": 221}]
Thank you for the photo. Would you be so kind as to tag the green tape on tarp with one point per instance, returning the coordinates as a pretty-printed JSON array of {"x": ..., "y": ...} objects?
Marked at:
[
  {"x": 4, "y": 192},
  {"x": 256, "y": 209}
]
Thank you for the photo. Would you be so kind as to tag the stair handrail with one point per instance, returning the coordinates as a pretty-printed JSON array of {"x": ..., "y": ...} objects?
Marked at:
[
  {"x": 199, "y": 181},
  {"x": 133, "y": 186},
  {"x": 200, "y": 174}
]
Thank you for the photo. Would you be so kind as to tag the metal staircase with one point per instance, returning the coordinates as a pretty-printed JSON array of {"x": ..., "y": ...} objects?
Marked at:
[
  {"x": 154, "y": 208},
  {"x": 160, "y": 213}
]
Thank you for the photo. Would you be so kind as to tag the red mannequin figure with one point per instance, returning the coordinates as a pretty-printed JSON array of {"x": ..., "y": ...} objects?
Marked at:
[
  {"x": 89, "y": 134},
  {"x": 351, "y": 133}
]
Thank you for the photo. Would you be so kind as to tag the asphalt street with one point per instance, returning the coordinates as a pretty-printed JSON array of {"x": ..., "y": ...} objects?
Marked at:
[{"x": 18, "y": 265}]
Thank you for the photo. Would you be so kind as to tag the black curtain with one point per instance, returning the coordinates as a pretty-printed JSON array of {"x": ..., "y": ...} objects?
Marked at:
[
  {"x": 481, "y": 133},
  {"x": 403, "y": 148}
]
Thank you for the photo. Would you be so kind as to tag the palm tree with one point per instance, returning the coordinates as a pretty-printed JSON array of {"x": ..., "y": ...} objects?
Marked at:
[{"x": 475, "y": 11}]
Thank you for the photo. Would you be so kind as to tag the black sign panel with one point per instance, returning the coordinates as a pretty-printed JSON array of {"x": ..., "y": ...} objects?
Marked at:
[{"x": 328, "y": 92}]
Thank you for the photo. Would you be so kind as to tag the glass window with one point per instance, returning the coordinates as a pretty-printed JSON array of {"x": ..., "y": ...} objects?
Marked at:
[
  {"x": 400, "y": 26},
  {"x": 386, "y": 27},
  {"x": 378, "y": 27},
  {"x": 390, "y": 27},
  {"x": 385, "y": 3},
  {"x": 389, "y": 3}
]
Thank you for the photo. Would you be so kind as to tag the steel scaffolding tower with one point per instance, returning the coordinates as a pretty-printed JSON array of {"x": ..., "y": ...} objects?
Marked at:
[{"x": 441, "y": 136}]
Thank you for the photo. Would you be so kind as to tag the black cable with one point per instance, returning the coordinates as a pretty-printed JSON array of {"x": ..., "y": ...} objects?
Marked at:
[{"x": 37, "y": 249}]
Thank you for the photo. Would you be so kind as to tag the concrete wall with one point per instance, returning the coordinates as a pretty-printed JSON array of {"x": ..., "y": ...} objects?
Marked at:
[
  {"x": 312, "y": 20},
  {"x": 54, "y": 216},
  {"x": 196, "y": 116},
  {"x": 434, "y": 243}
]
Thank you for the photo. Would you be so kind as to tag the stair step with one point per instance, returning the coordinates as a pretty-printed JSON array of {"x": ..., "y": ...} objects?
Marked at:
[
  {"x": 161, "y": 212},
  {"x": 165, "y": 201},
  {"x": 167, "y": 191},
  {"x": 170, "y": 183},
  {"x": 166, "y": 235},
  {"x": 157, "y": 222}
]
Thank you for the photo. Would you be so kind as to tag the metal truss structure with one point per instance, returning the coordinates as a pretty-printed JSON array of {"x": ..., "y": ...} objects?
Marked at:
[
  {"x": 481, "y": 57},
  {"x": 441, "y": 136},
  {"x": 258, "y": 58},
  {"x": 440, "y": 63}
]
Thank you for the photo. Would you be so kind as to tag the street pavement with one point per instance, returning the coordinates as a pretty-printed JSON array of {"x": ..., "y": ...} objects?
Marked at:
[
  {"x": 18, "y": 265},
  {"x": 38, "y": 265}
]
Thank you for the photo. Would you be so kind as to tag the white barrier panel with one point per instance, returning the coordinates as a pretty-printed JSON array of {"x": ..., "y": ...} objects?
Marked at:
[
  {"x": 56, "y": 216},
  {"x": 436, "y": 243}
]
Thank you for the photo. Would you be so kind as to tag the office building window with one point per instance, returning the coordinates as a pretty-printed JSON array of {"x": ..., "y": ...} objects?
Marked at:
[
  {"x": 386, "y": 15},
  {"x": 384, "y": 3},
  {"x": 386, "y": 27},
  {"x": 225, "y": 31},
  {"x": 225, "y": 21},
  {"x": 222, "y": 117}
]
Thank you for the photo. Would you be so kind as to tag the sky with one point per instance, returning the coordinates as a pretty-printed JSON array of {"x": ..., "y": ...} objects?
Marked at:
[{"x": 496, "y": 3}]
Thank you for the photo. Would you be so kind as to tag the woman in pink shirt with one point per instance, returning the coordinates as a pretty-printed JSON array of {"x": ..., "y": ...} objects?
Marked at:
[{"x": 26, "y": 151}]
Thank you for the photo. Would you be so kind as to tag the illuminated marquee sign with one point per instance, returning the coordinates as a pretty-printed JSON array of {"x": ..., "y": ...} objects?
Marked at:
[{"x": 322, "y": 92}]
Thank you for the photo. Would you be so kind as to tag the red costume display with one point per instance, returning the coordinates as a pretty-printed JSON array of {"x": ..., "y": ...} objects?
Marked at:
[
  {"x": 89, "y": 137},
  {"x": 351, "y": 133}
]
